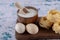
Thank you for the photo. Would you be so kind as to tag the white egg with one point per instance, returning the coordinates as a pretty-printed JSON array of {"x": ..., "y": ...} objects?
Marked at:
[
  {"x": 20, "y": 28},
  {"x": 32, "y": 28}
]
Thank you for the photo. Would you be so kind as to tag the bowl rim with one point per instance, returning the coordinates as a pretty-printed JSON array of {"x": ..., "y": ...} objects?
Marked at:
[{"x": 29, "y": 7}]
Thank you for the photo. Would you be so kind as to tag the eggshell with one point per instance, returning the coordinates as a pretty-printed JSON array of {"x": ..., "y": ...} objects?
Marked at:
[
  {"x": 32, "y": 28},
  {"x": 20, "y": 28}
]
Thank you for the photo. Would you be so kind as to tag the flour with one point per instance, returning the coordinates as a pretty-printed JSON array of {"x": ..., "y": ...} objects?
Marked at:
[{"x": 31, "y": 13}]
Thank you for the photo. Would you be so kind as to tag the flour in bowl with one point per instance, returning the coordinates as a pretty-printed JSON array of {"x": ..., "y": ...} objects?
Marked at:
[{"x": 31, "y": 13}]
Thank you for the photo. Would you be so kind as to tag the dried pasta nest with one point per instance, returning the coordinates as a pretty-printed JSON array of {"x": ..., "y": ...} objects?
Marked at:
[
  {"x": 56, "y": 27},
  {"x": 43, "y": 22},
  {"x": 53, "y": 16}
]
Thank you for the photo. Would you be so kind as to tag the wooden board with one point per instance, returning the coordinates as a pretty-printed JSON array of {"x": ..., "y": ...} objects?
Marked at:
[{"x": 43, "y": 33}]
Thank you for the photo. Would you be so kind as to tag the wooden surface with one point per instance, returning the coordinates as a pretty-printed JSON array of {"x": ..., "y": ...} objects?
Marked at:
[{"x": 43, "y": 33}]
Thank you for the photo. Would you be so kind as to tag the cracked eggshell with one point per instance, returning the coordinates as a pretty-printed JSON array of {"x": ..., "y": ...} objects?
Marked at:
[
  {"x": 20, "y": 28},
  {"x": 32, "y": 28}
]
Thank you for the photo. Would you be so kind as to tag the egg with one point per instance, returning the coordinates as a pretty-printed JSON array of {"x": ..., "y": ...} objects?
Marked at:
[
  {"x": 32, "y": 28},
  {"x": 56, "y": 27},
  {"x": 20, "y": 28},
  {"x": 44, "y": 23}
]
